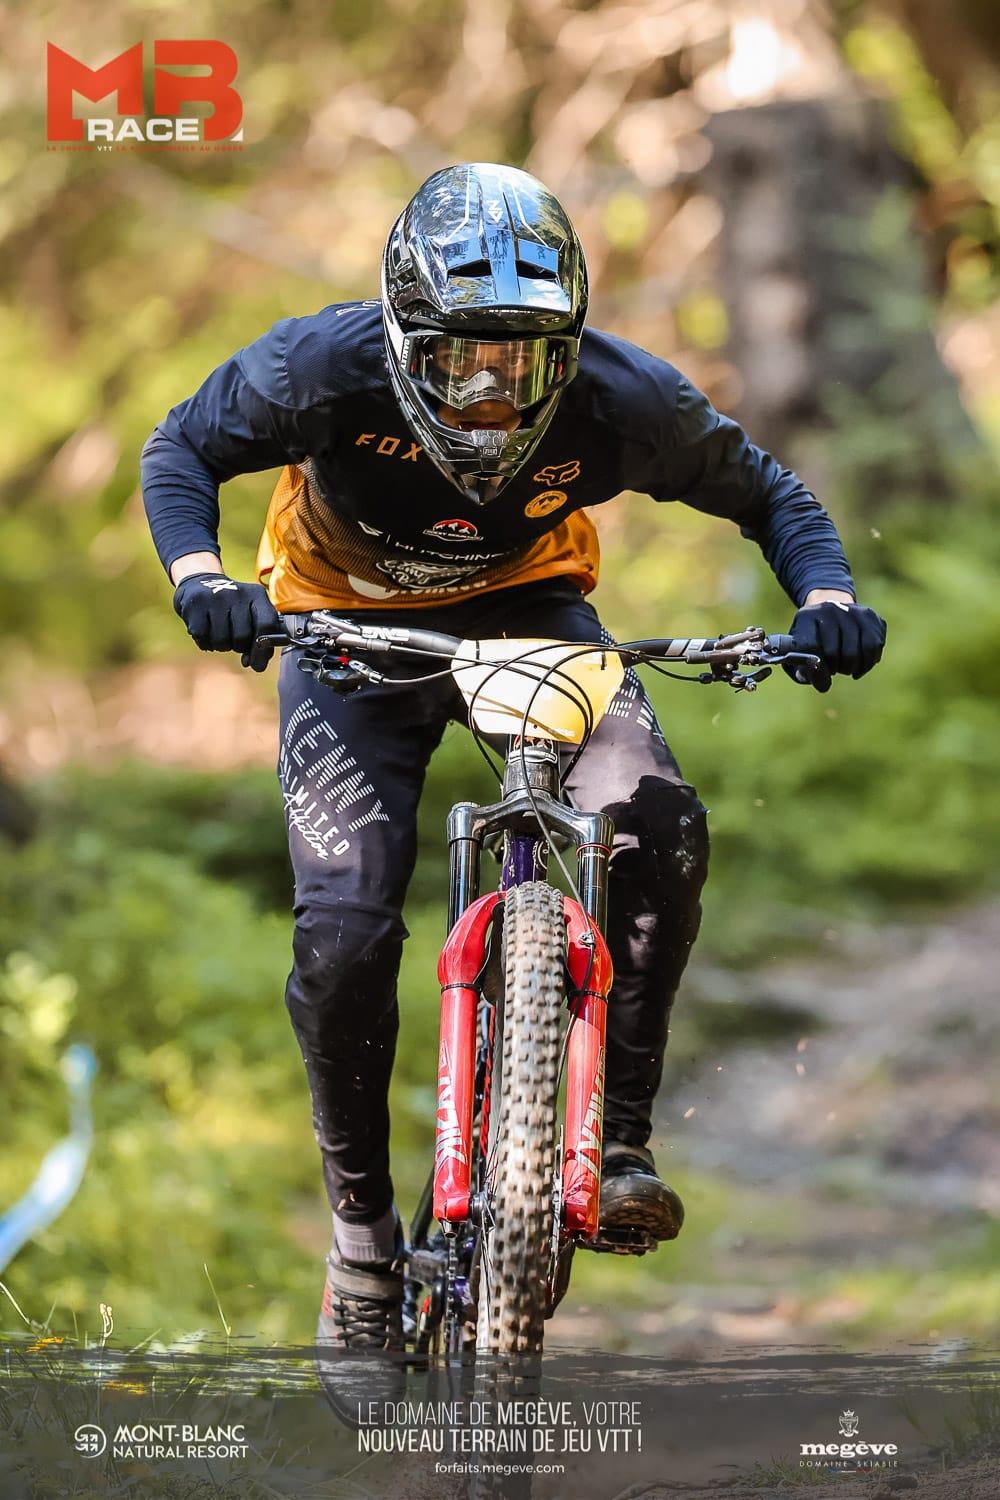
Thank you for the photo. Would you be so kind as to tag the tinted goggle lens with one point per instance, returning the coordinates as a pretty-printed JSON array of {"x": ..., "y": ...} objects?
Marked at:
[{"x": 460, "y": 372}]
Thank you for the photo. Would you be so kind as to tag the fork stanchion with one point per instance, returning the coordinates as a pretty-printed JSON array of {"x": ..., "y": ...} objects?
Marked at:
[
  {"x": 465, "y": 850},
  {"x": 592, "y": 857}
]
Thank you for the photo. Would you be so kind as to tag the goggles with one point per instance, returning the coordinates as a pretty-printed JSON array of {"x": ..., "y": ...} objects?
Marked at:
[{"x": 459, "y": 372}]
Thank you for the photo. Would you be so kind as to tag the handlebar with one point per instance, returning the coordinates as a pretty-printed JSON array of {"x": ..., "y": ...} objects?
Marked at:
[
  {"x": 336, "y": 636},
  {"x": 350, "y": 635},
  {"x": 320, "y": 626}
]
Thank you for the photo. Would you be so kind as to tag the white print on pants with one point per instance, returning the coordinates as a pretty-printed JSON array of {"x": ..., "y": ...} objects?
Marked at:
[{"x": 319, "y": 778}]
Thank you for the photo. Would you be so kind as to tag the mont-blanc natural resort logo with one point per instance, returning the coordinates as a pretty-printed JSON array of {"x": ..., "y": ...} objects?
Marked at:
[
  {"x": 190, "y": 111},
  {"x": 162, "y": 1440},
  {"x": 849, "y": 1455}
]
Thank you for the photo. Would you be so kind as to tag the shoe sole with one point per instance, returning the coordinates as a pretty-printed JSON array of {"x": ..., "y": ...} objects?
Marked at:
[
  {"x": 647, "y": 1212},
  {"x": 347, "y": 1378}
]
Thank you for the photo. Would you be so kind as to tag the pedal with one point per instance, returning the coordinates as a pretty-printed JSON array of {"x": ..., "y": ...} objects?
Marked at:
[
  {"x": 425, "y": 1264},
  {"x": 620, "y": 1242}
]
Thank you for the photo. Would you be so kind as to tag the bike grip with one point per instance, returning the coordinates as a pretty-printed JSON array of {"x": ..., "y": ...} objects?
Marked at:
[
  {"x": 667, "y": 649},
  {"x": 432, "y": 640},
  {"x": 780, "y": 645}
]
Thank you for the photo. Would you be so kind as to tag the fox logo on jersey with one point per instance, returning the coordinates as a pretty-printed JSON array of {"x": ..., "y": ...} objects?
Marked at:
[
  {"x": 558, "y": 473},
  {"x": 455, "y": 530}
]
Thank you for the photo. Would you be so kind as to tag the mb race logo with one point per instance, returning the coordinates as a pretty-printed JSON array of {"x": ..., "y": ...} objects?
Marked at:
[{"x": 190, "y": 111}]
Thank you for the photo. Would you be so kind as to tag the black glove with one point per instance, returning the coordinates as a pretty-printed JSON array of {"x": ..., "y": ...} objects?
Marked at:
[
  {"x": 223, "y": 615},
  {"x": 847, "y": 638}
]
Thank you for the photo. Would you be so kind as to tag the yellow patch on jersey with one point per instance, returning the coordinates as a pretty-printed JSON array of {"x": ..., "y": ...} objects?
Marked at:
[{"x": 545, "y": 503}]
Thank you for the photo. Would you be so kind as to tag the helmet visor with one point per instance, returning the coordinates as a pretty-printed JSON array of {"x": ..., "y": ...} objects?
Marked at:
[{"x": 460, "y": 372}]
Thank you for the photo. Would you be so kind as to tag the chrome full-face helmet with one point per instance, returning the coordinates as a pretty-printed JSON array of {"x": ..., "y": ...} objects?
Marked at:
[{"x": 484, "y": 296}]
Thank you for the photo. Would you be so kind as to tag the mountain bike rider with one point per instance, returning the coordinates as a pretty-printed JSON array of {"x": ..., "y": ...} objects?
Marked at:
[{"x": 438, "y": 448}]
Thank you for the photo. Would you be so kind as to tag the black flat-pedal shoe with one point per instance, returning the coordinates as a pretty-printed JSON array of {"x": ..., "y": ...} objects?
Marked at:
[
  {"x": 359, "y": 1336},
  {"x": 637, "y": 1209}
]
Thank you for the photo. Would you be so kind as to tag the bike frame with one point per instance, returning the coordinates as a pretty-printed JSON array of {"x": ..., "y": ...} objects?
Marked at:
[{"x": 530, "y": 792}]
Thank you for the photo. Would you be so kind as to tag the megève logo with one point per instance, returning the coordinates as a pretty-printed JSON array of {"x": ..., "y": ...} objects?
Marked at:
[
  {"x": 170, "y": 123},
  {"x": 859, "y": 1455}
]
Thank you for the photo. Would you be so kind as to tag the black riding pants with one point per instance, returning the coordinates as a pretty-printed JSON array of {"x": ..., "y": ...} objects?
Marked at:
[{"x": 351, "y": 771}]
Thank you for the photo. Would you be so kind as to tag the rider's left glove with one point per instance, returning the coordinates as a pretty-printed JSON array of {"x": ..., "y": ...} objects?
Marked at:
[
  {"x": 224, "y": 615},
  {"x": 847, "y": 638}
]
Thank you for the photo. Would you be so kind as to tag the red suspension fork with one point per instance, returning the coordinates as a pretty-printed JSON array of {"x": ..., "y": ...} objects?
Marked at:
[
  {"x": 461, "y": 959},
  {"x": 591, "y": 972}
]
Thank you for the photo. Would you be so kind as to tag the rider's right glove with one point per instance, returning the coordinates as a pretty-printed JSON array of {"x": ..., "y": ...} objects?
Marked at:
[
  {"x": 223, "y": 615},
  {"x": 847, "y": 638}
]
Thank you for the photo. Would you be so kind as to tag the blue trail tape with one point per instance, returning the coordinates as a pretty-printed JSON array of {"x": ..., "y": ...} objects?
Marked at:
[{"x": 62, "y": 1168}]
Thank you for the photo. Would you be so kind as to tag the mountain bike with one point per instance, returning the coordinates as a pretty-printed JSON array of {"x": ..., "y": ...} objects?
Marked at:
[{"x": 524, "y": 972}]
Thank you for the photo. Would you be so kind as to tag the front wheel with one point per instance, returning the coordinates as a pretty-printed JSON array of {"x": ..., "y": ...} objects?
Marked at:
[{"x": 519, "y": 1179}]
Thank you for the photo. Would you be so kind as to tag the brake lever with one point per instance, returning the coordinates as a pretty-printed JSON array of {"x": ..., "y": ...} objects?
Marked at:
[
  {"x": 807, "y": 668},
  {"x": 818, "y": 676},
  {"x": 803, "y": 659}
]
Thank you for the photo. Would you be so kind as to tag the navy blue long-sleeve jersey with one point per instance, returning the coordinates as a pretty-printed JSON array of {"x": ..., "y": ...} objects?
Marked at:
[{"x": 361, "y": 516}]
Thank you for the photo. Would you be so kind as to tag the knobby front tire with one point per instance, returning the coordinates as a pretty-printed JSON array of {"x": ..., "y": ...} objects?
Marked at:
[{"x": 517, "y": 1242}]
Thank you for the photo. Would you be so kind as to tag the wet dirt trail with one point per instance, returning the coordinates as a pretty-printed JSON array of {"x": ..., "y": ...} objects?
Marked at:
[{"x": 862, "y": 1130}]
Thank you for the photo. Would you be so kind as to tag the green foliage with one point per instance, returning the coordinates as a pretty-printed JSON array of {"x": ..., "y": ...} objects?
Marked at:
[
  {"x": 151, "y": 918},
  {"x": 782, "y": 1473},
  {"x": 175, "y": 980},
  {"x": 929, "y": 134},
  {"x": 36, "y": 1010},
  {"x": 228, "y": 826},
  {"x": 961, "y": 1291},
  {"x": 973, "y": 1431}
]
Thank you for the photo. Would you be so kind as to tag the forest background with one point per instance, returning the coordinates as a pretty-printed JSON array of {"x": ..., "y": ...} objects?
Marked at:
[{"x": 797, "y": 202}]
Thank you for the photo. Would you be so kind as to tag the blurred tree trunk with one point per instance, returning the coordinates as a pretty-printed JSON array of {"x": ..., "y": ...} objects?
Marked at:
[
  {"x": 960, "y": 47},
  {"x": 17, "y": 816},
  {"x": 826, "y": 285}
]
